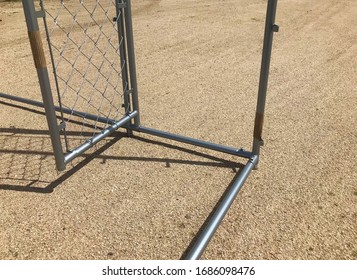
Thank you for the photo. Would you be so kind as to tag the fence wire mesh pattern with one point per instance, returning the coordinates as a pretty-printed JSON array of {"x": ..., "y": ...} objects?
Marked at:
[{"x": 84, "y": 45}]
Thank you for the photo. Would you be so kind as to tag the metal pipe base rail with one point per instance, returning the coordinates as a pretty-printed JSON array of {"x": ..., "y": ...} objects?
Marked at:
[
  {"x": 221, "y": 210},
  {"x": 212, "y": 224},
  {"x": 192, "y": 141},
  {"x": 204, "y": 236}
]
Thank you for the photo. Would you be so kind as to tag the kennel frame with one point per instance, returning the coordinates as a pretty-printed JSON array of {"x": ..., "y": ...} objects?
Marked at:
[{"x": 131, "y": 122}]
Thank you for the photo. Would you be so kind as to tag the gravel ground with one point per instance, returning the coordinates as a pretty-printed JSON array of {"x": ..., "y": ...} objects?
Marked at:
[{"x": 198, "y": 68}]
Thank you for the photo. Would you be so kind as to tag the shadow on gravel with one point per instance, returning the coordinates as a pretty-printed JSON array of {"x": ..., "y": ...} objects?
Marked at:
[{"x": 27, "y": 161}]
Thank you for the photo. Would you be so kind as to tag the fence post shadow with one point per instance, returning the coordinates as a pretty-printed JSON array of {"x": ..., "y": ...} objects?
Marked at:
[
  {"x": 55, "y": 183},
  {"x": 213, "y": 160}
]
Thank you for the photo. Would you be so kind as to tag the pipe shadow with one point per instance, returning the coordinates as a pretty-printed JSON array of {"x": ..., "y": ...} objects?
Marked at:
[
  {"x": 39, "y": 112},
  {"x": 55, "y": 183},
  {"x": 31, "y": 174}
]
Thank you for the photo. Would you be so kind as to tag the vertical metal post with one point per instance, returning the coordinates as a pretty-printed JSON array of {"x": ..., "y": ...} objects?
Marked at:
[
  {"x": 123, "y": 57},
  {"x": 42, "y": 73},
  {"x": 270, "y": 28},
  {"x": 131, "y": 61}
]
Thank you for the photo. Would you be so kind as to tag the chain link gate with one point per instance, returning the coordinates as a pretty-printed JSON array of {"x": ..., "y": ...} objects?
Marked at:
[
  {"x": 91, "y": 49},
  {"x": 89, "y": 46}
]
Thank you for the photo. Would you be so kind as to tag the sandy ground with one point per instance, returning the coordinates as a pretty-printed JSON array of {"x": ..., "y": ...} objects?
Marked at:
[{"x": 198, "y": 65}]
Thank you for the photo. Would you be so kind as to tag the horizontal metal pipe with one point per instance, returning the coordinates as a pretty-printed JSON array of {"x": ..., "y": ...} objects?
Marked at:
[
  {"x": 159, "y": 133},
  {"x": 218, "y": 215},
  {"x": 192, "y": 141},
  {"x": 91, "y": 142},
  {"x": 58, "y": 109}
]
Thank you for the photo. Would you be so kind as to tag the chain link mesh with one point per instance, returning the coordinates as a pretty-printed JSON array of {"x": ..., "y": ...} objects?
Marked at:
[{"x": 84, "y": 46}]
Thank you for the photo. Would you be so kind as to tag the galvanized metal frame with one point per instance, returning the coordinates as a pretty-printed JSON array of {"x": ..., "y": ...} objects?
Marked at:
[
  {"x": 129, "y": 76},
  {"x": 126, "y": 53}
]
